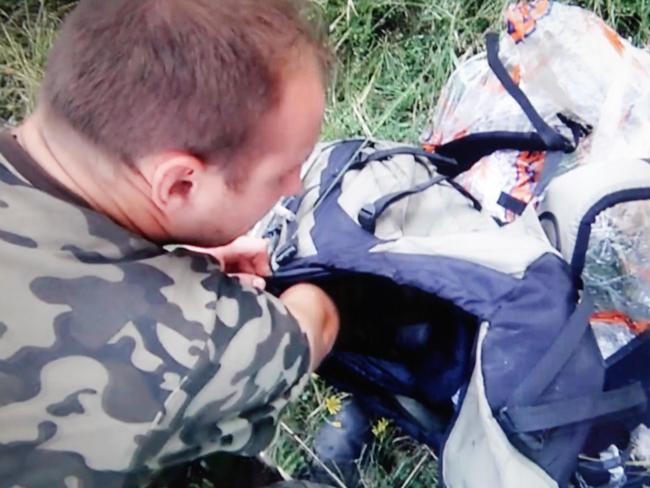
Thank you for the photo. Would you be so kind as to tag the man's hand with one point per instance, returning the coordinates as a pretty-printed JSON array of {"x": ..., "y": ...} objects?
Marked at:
[
  {"x": 317, "y": 316},
  {"x": 245, "y": 258}
]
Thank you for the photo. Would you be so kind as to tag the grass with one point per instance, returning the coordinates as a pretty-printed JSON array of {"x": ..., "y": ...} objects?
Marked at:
[
  {"x": 394, "y": 56},
  {"x": 391, "y": 460}
]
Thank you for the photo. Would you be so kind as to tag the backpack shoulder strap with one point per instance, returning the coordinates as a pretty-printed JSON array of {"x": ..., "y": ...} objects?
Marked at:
[{"x": 574, "y": 200}]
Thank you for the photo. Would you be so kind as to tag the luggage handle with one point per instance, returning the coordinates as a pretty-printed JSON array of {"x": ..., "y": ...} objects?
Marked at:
[
  {"x": 355, "y": 161},
  {"x": 370, "y": 212},
  {"x": 471, "y": 148},
  {"x": 443, "y": 164},
  {"x": 554, "y": 140},
  {"x": 446, "y": 167}
]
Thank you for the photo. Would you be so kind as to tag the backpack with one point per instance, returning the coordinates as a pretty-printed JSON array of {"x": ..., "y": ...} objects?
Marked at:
[
  {"x": 592, "y": 194},
  {"x": 470, "y": 334}
]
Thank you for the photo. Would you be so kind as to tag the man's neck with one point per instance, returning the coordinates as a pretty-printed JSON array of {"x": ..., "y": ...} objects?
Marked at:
[{"x": 110, "y": 187}]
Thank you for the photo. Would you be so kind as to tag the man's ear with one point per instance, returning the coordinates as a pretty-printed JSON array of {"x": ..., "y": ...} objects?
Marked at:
[{"x": 174, "y": 178}]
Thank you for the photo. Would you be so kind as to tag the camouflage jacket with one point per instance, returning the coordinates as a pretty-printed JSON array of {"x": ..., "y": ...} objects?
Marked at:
[{"x": 117, "y": 357}]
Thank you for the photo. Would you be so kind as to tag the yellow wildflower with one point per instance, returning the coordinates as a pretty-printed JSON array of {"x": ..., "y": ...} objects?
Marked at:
[
  {"x": 333, "y": 404},
  {"x": 380, "y": 427}
]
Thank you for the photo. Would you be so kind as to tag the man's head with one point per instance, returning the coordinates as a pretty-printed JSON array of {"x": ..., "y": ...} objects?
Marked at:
[{"x": 215, "y": 102}]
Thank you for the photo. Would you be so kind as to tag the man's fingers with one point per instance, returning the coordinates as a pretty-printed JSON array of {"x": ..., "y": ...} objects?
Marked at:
[
  {"x": 257, "y": 265},
  {"x": 244, "y": 266},
  {"x": 245, "y": 254},
  {"x": 252, "y": 255},
  {"x": 250, "y": 280},
  {"x": 246, "y": 245},
  {"x": 261, "y": 264}
]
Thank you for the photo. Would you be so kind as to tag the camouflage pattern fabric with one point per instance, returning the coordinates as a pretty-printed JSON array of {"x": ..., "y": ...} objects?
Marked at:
[{"x": 118, "y": 358}]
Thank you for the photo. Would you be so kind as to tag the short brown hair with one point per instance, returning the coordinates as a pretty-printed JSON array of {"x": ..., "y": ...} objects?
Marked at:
[{"x": 140, "y": 76}]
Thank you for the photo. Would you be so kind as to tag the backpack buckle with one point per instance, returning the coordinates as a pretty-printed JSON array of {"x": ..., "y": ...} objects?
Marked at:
[{"x": 367, "y": 217}]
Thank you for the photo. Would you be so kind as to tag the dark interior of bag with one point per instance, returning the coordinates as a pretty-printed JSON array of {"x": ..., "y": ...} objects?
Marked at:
[{"x": 421, "y": 343}]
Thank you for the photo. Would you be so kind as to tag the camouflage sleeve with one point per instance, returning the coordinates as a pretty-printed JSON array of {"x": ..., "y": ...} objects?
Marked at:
[
  {"x": 112, "y": 367},
  {"x": 117, "y": 357},
  {"x": 255, "y": 361}
]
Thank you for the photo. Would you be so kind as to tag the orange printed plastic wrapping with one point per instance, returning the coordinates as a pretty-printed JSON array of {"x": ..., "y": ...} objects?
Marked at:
[
  {"x": 521, "y": 19},
  {"x": 567, "y": 61},
  {"x": 616, "y": 317}
]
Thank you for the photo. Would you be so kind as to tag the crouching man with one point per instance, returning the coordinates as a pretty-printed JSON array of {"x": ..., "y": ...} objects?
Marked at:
[{"x": 159, "y": 121}]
